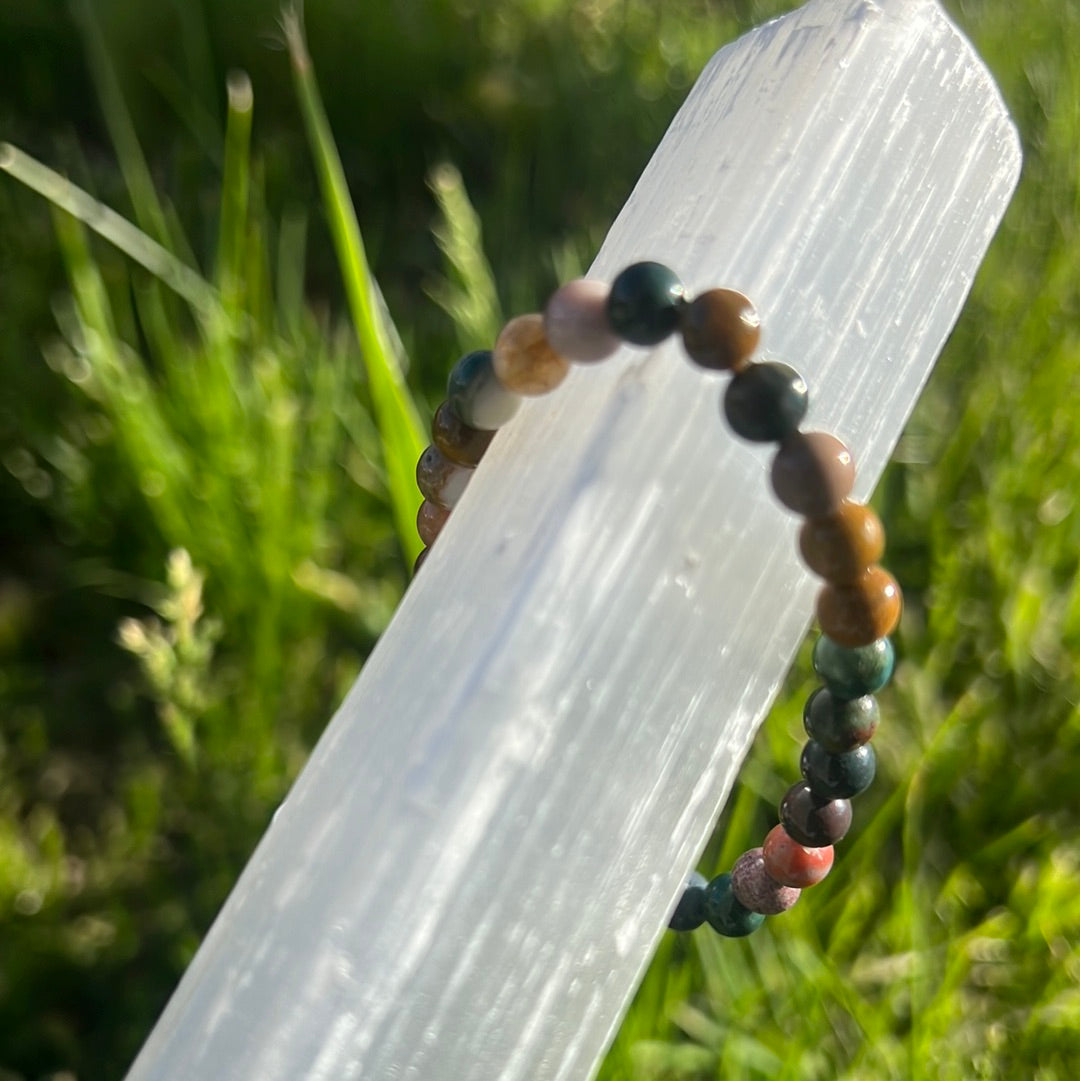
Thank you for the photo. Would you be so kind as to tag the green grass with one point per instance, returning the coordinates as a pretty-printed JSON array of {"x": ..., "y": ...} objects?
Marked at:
[{"x": 208, "y": 504}]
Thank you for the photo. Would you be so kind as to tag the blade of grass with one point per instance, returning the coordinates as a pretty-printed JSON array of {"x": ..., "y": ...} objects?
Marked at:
[
  {"x": 232, "y": 229},
  {"x": 399, "y": 424}
]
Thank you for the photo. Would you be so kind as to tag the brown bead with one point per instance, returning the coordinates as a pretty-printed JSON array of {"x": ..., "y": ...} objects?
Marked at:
[
  {"x": 840, "y": 546},
  {"x": 430, "y": 519},
  {"x": 814, "y": 822},
  {"x": 439, "y": 479},
  {"x": 860, "y": 613},
  {"x": 523, "y": 360},
  {"x": 420, "y": 559},
  {"x": 459, "y": 442},
  {"x": 812, "y": 473},
  {"x": 720, "y": 329}
]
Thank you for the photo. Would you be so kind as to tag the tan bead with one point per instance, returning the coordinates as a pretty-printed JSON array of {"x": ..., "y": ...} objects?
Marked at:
[
  {"x": 523, "y": 360},
  {"x": 720, "y": 329},
  {"x": 430, "y": 519},
  {"x": 812, "y": 473},
  {"x": 840, "y": 546},
  {"x": 860, "y": 613},
  {"x": 460, "y": 443}
]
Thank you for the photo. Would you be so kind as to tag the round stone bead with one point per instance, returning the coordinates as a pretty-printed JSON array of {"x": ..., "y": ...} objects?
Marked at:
[
  {"x": 765, "y": 402},
  {"x": 851, "y": 673},
  {"x": 430, "y": 519},
  {"x": 755, "y": 890},
  {"x": 576, "y": 322},
  {"x": 725, "y": 913},
  {"x": 840, "y": 724},
  {"x": 814, "y": 822},
  {"x": 862, "y": 612},
  {"x": 840, "y": 546},
  {"x": 459, "y": 442},
  {"x": 793, "y": 864},
  {"x": 476, "y": 396},
  {"x": 420, "y": 560},
  {"x": 523, "y": 360},
  {"x": 837, "y": 776},
  {"x": 812, "y": 473},
  {"x": 644, "y": 302},
  {"x": 689, "y": 913},
  {"x": 439, "y": 479},
  {"x": 720, "y": 329}
]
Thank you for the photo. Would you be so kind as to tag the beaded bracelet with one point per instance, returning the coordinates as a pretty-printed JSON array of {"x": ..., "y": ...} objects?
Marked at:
[{"x": 812, "y": 474}]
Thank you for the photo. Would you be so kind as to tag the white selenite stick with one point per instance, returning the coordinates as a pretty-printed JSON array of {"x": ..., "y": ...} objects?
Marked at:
[{"x": 469, "y": 877}]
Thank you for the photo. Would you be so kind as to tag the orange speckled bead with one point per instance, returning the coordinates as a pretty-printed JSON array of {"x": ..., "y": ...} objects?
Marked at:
[
  {"x": 860, "y": 613},
  {"x": 430, "y": 519},
  {"x": 523, "y": 360},
  {"x": 793, "y": 864},
  {"x": 720, "y": 329},
  {"x": 812, "y": 473},
  {"x": 460, "y": 443},
  {"x": 840, "y": 546}
]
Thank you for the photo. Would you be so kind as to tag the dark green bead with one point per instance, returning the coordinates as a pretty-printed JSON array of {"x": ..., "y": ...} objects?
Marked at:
[
  {"x": 765, "y": 402},
  {"x": 838, "y": 776},
  {"x": 644, "y": 302},
  {"x": 689, "y": 913},
  {"x": 477, "y": 398},
  {"x": 725, "y": 913},
  {"x": 851, "y": 673},
  {"x": 840, "y": 724}
]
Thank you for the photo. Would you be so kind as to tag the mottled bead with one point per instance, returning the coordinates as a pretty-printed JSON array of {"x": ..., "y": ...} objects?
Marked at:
[
  {"x": 793, "y": 864},
  {"x": 840, "y": 546},
  {"x": 851, "y": 673},
  {"x": 814, "y": 822},
  {"x": 840, "y": 724},
  {"x": 812, "y": 473},
  {"x": 644, "y": 302},
  {"x": 459, "y": 442},
  {"x": 838, "y": 776},
  {"x": 523, "y": 360},
  {"x": 765, "y": 402},
  {"x": 756, "y": 890},
  {"x": 430, "y": 519},
  {"x": 439, "y": 479},
  {"x": 689, "y": 913},
  {"x": 725, "y": 913},
  {"x": 420, "y": 560},
  {"x": 720, "y": 329},
  {"x": 476, "y": 396},
  {"x": 576, "y": 322},
  {"x": 862, "y": 612}
]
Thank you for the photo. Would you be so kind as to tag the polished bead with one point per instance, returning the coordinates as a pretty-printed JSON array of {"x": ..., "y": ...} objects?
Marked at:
[
  {"x": 765, "y": 402},
  {"x": 812, "y": 473},
  {"x": 439, "y": 479},
  {"x": 720, "y": 329},
  {"x": 756, "y": 890},
  {"x": 793, "y": 864},
  {"x": 643, "y": 306},
  {"x": 814, "y": 822},
  {"x": 840, "y": 546},
  {"x": 838, "y": 776},
  {"x": 851, "y": 673},
  {"x": 576, "y": 322},
  {"x": 725, "y": 913},
  {"x": 689, "y": 913},
  {"x": 430, "y": 519},
  {"x": 523, "y": 360},
  {"x": 459, "y": 442},
  {"x": 476, "y": 396},
  {"x": 840, "y": 724},
  {"x": 862, "y": 612},
  {"x": 420, "y": 560}
]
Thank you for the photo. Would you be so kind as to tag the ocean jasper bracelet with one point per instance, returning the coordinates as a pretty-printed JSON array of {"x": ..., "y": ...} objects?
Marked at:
[{"x": 812, "y": 474}]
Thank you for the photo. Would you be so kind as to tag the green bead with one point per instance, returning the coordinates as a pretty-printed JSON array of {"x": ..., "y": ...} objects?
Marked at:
[
  {"x": 477, "y": 398},
  {"x": 840, "y": 724},
  {"x": 644, "y": 302},
  {"x": 838, "y": 776},
  {"x": 765, "y": 402},
  {"x": 725, "y": 913},
  {"x": 689, "y": 913},
  {"x": 851, "y": 673}
]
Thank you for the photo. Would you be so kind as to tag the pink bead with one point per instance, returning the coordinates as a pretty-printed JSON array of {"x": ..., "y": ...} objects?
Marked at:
[
  {"x": 812, "y": 473},
  {"x": 576, "y": 323},
  {"x": 755, "y": 890}
]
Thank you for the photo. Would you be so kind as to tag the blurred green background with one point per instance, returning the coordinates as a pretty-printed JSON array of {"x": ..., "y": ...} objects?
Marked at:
[{"x": 201, "y": 522}]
